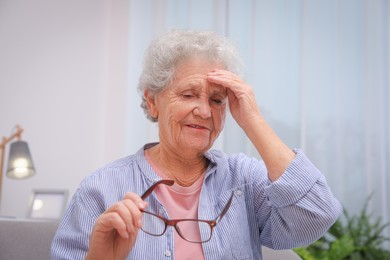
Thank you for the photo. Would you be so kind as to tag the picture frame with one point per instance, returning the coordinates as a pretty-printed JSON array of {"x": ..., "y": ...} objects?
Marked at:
[{"x": 47, "y": 204}]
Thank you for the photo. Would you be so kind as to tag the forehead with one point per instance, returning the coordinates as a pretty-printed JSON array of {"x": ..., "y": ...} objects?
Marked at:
[
  {"x": 201, "y": 85},
  {"x": 193, "y": 74}
]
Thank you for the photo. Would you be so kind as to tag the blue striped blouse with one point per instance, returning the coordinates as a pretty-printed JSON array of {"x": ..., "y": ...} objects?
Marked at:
[{"x": 293, "y": 211}]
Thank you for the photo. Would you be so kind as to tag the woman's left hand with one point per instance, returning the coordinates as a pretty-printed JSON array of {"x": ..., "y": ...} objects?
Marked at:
[{"x": 242, "y": 101}]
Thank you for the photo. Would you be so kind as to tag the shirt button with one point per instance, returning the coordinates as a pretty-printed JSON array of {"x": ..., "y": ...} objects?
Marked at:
[
  {"x": 238, "y": 192},
  {"x": 167, "y": 253}
]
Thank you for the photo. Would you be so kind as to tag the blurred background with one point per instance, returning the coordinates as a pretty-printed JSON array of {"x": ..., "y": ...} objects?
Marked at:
[{"x": 320, "y": 70}]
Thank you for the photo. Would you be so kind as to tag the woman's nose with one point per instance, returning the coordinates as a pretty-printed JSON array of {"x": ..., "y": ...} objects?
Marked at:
[{"x": 202, "y": 109}]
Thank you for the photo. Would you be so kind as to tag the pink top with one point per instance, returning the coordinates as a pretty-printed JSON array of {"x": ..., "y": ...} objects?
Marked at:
[{"x": 181, "y": 203}]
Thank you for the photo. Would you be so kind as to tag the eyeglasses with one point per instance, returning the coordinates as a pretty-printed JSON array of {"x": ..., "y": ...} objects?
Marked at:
[{"x": 156, "y": 225}]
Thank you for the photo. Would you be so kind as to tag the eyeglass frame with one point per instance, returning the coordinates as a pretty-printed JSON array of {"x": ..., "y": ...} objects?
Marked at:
[{"x": 173, "y": 222}]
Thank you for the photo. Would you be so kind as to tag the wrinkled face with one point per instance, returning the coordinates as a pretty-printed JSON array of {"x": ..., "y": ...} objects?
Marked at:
[{"x": 191, "y": 111}]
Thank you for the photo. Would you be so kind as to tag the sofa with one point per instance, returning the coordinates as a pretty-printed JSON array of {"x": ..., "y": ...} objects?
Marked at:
[
  {"x": 31, "y": 240},
  {"x": 26, "y": 239}
]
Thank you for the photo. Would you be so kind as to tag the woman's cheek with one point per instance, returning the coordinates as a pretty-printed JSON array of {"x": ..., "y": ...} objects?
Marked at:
[{"x": 219, "y": 121}]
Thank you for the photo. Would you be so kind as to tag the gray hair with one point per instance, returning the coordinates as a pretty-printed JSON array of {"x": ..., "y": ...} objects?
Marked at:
[{"x": 166, "y": 52}]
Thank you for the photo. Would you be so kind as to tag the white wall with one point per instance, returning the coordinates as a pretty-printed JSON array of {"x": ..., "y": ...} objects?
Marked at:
[
  {"x": 321, "y": 84},
  {"x": 63, "y": 79}
]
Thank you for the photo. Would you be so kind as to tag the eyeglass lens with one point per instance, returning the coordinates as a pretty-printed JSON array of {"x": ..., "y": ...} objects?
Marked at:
[
  {"x": 152, "y": 225},
  {"x": 190, "y": 230}
]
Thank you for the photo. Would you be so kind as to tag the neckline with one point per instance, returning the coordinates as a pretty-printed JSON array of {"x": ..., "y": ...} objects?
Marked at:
[{"x": 175, "y": 187}]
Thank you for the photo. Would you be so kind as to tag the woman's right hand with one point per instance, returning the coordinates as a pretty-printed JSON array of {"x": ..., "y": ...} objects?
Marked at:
[{"x": 115, "y": 231}]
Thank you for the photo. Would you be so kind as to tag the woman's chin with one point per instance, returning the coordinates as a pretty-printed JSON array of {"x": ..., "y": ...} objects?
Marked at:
[{"x": 198, "y": 146}]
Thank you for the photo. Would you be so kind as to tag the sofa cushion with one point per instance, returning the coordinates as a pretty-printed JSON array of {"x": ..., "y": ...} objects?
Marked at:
[{"x": 26, "y": 239}]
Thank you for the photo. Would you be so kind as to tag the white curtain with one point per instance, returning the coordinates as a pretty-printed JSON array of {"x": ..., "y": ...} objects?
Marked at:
[{"x": 320, "y": 70}]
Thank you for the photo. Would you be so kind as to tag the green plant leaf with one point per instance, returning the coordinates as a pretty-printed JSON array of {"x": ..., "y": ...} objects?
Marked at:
[{"x": 341, "y": 248}]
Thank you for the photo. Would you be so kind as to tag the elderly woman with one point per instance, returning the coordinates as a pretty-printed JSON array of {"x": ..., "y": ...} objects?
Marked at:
[{"x": 180, "y": 199}]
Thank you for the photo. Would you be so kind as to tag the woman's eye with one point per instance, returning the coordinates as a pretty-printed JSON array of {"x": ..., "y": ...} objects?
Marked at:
[
  {"x": 218, "y": 101},
  {"x": 187, "y": 96}
]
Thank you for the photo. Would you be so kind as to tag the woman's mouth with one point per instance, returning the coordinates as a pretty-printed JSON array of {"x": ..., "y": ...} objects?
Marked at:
[{"x": 197, "y": 126}]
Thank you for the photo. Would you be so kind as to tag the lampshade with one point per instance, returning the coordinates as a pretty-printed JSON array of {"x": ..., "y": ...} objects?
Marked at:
[{"x": 20, "y": 164}]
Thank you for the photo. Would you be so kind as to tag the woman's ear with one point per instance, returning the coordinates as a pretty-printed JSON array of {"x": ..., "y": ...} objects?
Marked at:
[{"x": 151, "y": 104}]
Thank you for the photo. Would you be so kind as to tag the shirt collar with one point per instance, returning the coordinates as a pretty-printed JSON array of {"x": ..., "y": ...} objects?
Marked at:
[{"x": 149, "y": 173}]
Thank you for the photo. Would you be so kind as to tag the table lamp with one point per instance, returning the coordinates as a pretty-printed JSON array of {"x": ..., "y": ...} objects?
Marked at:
[{"x": 20, "y": 165}]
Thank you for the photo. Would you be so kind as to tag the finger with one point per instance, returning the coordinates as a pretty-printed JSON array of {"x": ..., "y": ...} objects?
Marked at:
[
  {"x": 226, "y": 79},
  {"x": 111, "y": 220},
  {"x": 231, "y": 96},
  {"x": 136, "y": 214},
  {"x": 138, "y": 202},
  {"x": 136, "y": 199},
  {"x": 124, "y": 209}
]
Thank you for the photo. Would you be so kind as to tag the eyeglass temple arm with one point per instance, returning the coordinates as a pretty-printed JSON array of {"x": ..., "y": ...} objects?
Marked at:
[
  {"x": 226, "y": 208},
  {"x": 151, "y": 188}
]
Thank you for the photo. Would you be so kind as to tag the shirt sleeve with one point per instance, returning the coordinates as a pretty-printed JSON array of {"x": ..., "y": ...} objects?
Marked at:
[
  {"x": 301, "y": 204},
  {"x": 71, "y": 240}
]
